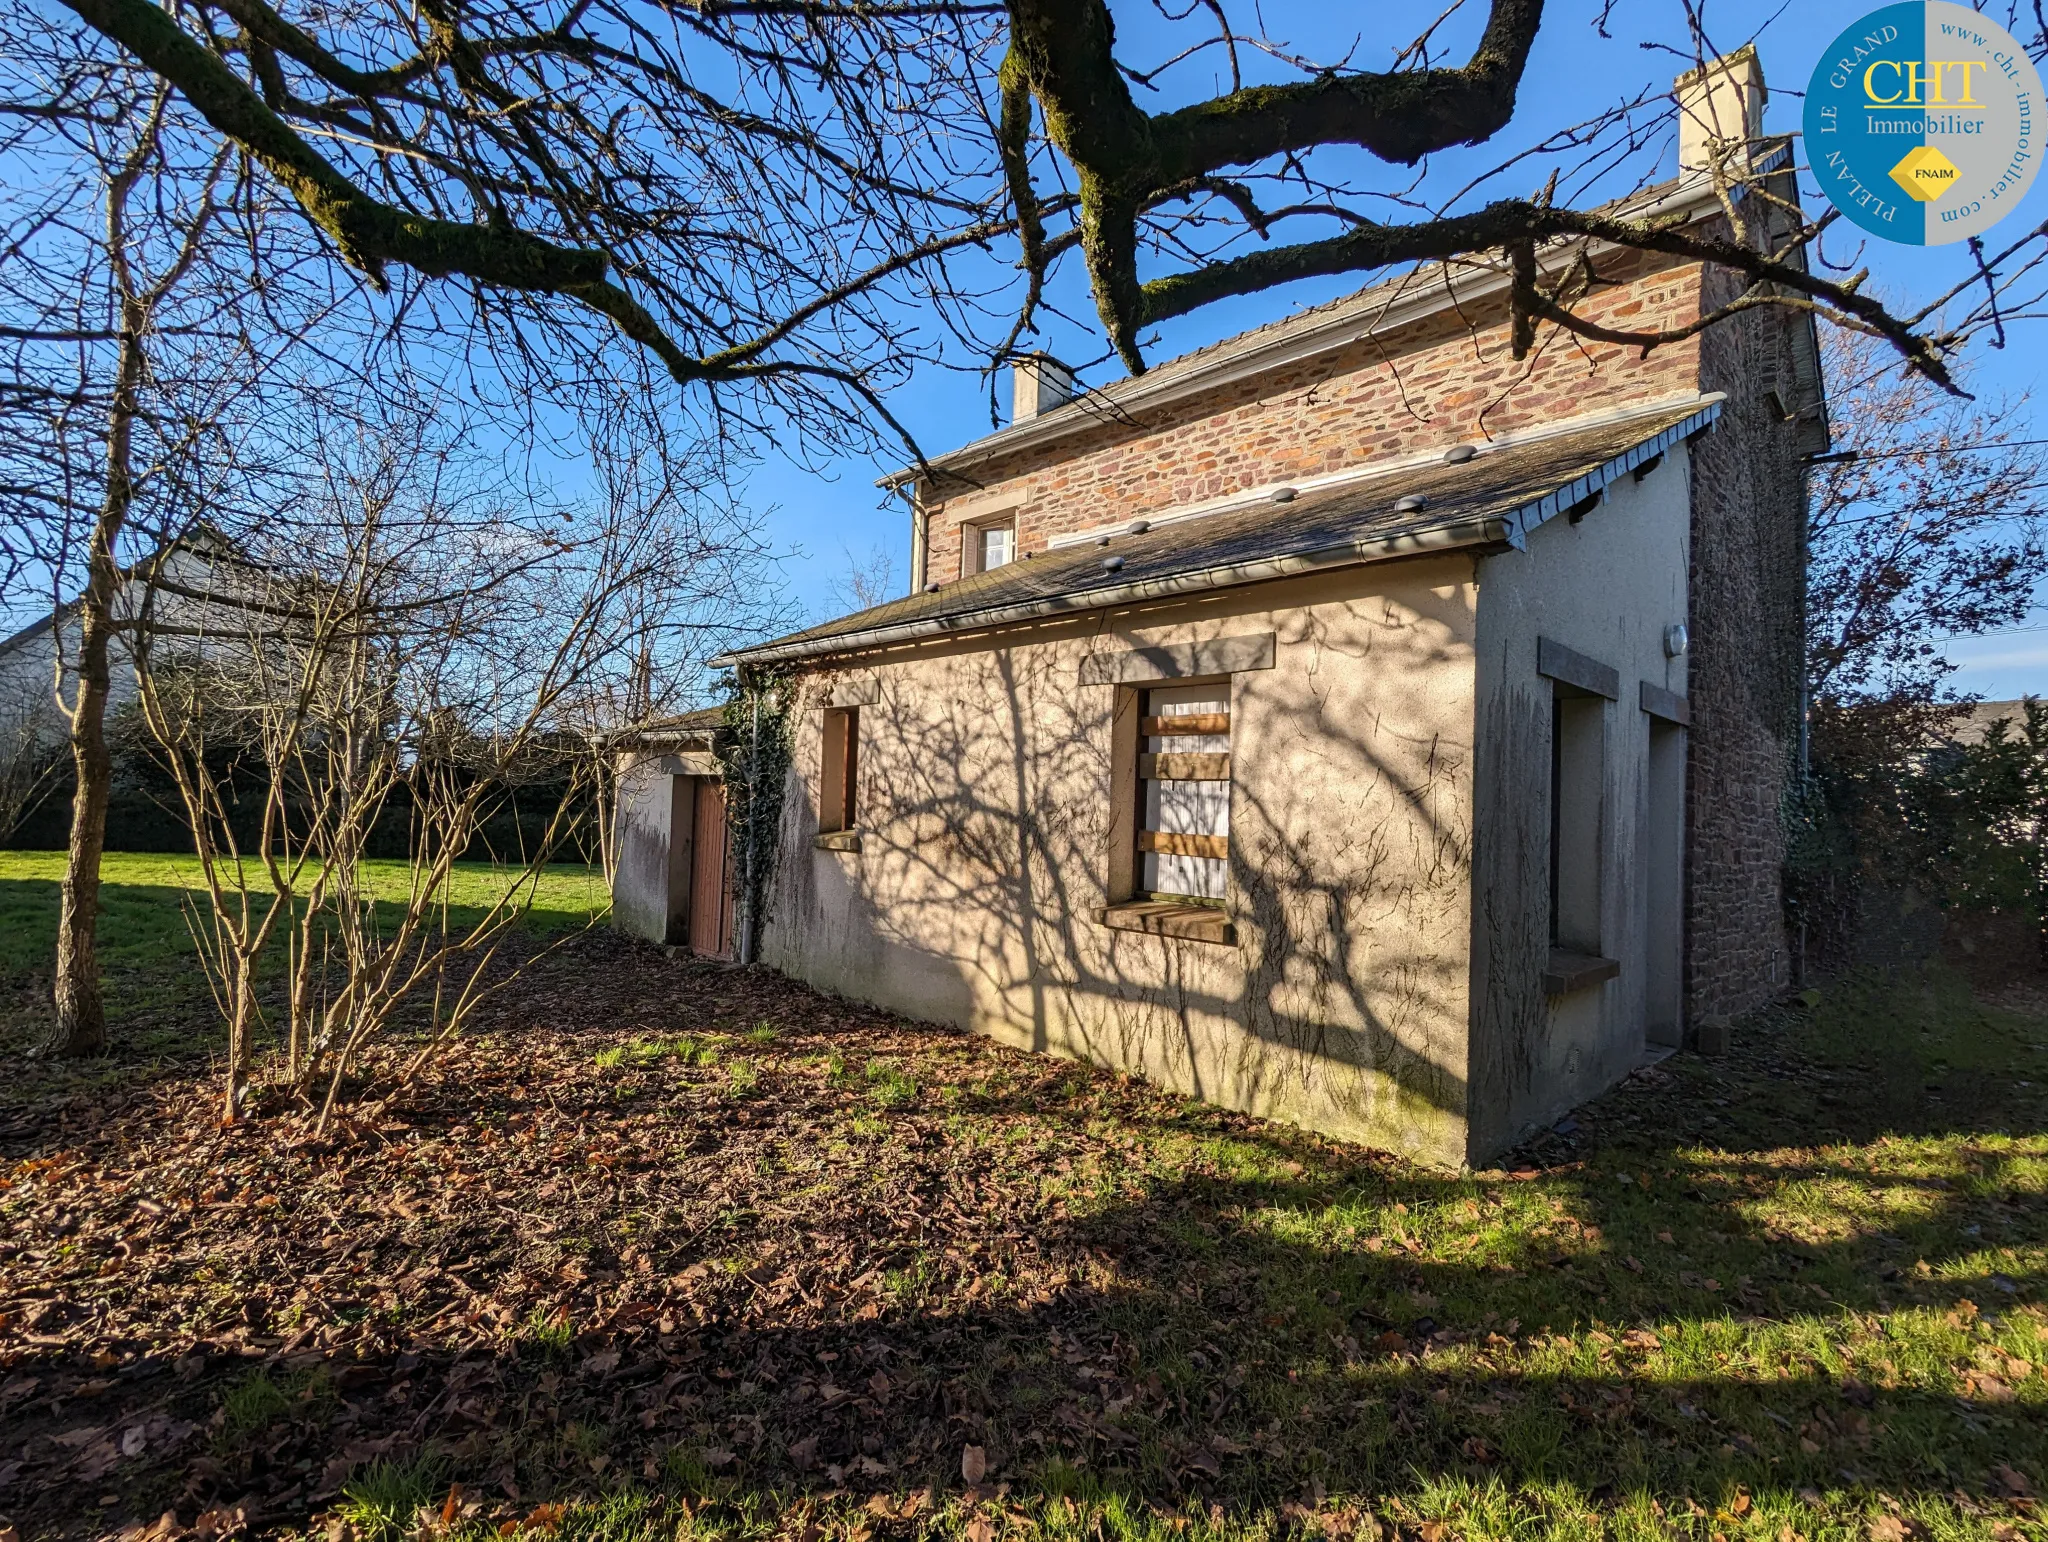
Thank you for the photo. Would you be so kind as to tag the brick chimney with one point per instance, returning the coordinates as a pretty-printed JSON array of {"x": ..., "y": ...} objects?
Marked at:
[
  {"x": 1039, "y": 383},
  {"x": 1721, "y": 110}
]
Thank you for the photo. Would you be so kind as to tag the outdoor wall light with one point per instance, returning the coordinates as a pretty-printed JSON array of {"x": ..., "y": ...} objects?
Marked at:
[{"x": 1676, "y": 641}]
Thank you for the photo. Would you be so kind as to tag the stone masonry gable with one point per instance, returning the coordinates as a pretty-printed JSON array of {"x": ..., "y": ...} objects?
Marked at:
[
  {"x": 1440, "y": 382},
  {"x": 1747, "y": 602}
]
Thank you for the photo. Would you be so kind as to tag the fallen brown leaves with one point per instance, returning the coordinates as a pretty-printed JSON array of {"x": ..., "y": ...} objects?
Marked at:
[
  {"x": 701, "y": 1231},
  {"x": 544, "y": 1270}
]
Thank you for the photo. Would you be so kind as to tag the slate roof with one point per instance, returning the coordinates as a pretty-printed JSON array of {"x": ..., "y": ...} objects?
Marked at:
[{"x": 1493, "y": 499}]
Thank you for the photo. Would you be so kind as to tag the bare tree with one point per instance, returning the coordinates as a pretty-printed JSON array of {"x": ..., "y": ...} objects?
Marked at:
[
  {"x": 28, "y": 759},
  {"x": 573, "y": 170},
  {"x": 1925, "y": 525},
  {"x": 1208, "y": 183},
  {"x": 427, "y": 641},
  {"x": 726, "y": 188},
  {"x": 865, "y": 581},
  {"x": 143, "y": 299},
  {"x": 133, "y": 297}
]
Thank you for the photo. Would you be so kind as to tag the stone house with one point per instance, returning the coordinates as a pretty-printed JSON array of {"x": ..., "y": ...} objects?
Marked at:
[{"x": 1347, "y": 722}]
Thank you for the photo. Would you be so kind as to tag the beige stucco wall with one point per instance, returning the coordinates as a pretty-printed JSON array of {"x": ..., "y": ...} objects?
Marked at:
[
  {"x": 985, "y": 791},
  {"x": 653, "y": 837},
  {"x": 1606, "y": 587}
]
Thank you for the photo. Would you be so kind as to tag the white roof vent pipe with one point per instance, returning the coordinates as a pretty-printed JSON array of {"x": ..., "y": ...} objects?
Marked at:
[
  {"x": 1039, "y": 383},
  {"x": 1721, "y": 111}
]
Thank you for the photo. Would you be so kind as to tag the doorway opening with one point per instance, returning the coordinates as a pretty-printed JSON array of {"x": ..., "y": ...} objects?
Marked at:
[{"x": 1664, "y": 887}]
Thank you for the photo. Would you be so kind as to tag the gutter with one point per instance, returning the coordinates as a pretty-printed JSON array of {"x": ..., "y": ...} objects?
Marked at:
[
  {"x": 1481, "y": 532},
  {"x": 1507, "y": 531},
  {"x": 1594, "y": 482}
]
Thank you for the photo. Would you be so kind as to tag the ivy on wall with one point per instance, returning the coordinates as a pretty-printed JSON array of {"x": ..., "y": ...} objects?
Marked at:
[{"x": 755, "y": 747}]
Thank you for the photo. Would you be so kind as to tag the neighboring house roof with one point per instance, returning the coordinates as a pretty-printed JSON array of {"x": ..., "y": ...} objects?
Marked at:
[
  {"x": 1377, "y": 309},
  {"x": 36, "y": 628},
  {"x": 203, "y": 540},
  {"x": 685, "y": 731},
  {"x": 1972, "y": 726},
  {"x": 1494, "y": 498}
]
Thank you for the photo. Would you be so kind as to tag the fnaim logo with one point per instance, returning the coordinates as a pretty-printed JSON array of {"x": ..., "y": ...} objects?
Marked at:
[{"x": 1922, "y": 123}]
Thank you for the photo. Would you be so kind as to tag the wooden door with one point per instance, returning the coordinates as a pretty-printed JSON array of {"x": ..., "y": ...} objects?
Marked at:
[{"x": 711, "y": 884}]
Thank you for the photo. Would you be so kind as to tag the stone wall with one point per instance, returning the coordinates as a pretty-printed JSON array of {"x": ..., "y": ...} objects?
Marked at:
[
  {"x": 1446, "y": 379},
  {"x": 1748, "y": 602}
]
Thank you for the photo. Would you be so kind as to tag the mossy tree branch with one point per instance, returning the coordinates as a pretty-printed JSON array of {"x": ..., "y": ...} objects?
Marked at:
[
  {"x": 367, "y": 233},
  {"x": 1519, "y": 226},
  {"x": 1126, "y": 159},
  {"x": 1128, "y": 163},
  {"x": 572, "y": 154}
]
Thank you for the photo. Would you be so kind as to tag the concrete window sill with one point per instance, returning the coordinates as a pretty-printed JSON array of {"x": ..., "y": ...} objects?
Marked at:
[
  {"x": 1566, "y": 972},
  {"x": 1163, "y": 918},
  {"x": 838, "y": 840}
]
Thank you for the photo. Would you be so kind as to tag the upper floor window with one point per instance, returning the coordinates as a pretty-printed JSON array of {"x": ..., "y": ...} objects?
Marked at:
[{"x": 990, "y": 546}]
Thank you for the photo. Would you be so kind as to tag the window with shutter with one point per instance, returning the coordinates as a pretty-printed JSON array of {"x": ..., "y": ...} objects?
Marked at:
[
  {"x": 1183, "y": 805},
  {"x": 998, "y": 545},
  {"x": 989, "y": 545}
]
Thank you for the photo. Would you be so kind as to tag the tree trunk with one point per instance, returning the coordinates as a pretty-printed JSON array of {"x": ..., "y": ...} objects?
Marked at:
[
  {"x": 81, "y": 1026},
  {"x": 241, "y": 1010}
]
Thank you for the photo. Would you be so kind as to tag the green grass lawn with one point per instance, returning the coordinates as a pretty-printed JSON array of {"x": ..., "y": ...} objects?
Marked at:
[
  {"x": 145, "y": 945},
  {"x": 696, "y": 1255}
]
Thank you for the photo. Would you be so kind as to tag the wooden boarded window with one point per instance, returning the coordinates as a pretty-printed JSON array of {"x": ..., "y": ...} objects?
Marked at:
[
  {"x": 839, "y": 778},
  {"x": 1183, "y": 803}
]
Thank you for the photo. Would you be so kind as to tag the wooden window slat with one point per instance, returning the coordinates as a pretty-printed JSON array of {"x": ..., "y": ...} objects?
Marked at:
[
  {"x": 1185, "y": 768},
  {"x": 1175, "y": 844},
  {"x": 1189, "y": 723}
]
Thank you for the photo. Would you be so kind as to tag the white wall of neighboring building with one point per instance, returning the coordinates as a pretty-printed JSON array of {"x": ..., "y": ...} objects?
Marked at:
[{"x": 37, "y": 663}]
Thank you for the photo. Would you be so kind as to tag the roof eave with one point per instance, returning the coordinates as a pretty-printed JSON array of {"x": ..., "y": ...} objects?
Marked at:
[{"x": 1489, "y": 531}]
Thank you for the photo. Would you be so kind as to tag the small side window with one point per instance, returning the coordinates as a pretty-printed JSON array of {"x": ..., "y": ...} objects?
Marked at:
[
  {"x": 839, "y": 779},
  {"x": 989, "y": 546},
  {"x": 1578, "y": 727}
]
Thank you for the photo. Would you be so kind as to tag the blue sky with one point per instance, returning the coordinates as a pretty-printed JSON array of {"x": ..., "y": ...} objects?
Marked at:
[{"x": 824, "y": 522}]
